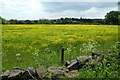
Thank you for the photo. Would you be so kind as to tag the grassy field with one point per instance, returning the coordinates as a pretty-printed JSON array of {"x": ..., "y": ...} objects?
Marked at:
[{"x": 40, "y": 45}]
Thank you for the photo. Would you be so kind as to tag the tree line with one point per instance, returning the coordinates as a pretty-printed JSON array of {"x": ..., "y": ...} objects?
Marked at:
[
  {"x": 54, "y": 21},
  {"x": 113, "y": 18}
]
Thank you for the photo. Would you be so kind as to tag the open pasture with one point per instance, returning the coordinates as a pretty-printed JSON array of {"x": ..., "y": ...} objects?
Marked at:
[{"x": 40, "y": 45}]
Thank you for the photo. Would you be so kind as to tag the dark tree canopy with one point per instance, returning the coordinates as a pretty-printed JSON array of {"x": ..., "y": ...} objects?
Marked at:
[
  {"x": 3, "y": 20},
  {"x": 112, "y": 18}
]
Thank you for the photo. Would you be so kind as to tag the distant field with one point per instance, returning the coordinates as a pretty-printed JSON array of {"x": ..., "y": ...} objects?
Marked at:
[{"x": 34, "y": 45}]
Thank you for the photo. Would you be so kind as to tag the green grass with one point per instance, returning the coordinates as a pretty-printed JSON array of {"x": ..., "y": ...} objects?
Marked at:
[{"x": 40, "y": 45}]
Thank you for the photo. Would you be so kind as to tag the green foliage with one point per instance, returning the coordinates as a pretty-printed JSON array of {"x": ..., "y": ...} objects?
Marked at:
[
  {"x": 3, "y": 20},
  {"x": 108, "y": 68},
  {"x": 113, "y": 17},
  {"x": 54, "y": 21},
  {"x": 44, "y": 21},
  {"x": 12, "y": 21}
]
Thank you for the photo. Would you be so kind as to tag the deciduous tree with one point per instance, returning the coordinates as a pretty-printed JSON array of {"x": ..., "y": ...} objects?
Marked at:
[{"x": 112, "y": 17}]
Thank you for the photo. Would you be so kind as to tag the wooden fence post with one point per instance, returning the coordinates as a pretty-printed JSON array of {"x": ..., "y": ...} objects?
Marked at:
[{"x": 62, "y": 56}]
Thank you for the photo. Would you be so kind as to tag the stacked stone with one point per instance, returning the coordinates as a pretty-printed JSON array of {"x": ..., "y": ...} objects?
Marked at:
[{"x": 69, "y": 70}]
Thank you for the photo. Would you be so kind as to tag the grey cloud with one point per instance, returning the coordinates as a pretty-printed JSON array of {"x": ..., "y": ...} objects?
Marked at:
[
  {"x": 80, "y": 6},
  {"x": 20, "y": 9}
]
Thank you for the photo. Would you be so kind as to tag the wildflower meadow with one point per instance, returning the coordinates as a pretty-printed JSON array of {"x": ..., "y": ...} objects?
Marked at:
[{"x": 40, "y": 45}]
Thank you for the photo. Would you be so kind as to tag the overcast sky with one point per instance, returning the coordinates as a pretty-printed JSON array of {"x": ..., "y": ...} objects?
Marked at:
[{"x": 37, "y": 9}]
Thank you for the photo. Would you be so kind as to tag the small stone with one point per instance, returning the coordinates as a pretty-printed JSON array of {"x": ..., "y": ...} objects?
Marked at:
[
  {"x": 32, "y": 71},
  {"x": 58, "y": 74},
  {"x": 52, "y": 69},
  {"x": 73, "y": 65},
  {"x": 29, "y": 73},
  {"x": 5, "y": 74},
  {"x": 40, "y": 72},
  {"x": 84, "y": 58},
  {"x": 16, "y": 73},
  {"x": 71, "y": 74}
]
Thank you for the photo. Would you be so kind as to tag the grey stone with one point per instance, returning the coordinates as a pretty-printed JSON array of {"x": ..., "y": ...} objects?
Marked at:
[
  {"x": 40, "y": 72},
  {"x": 77, "y": 63},
  {"x": 84, "y": 58},
  {"x": 71, "y": 74},
  {"x": 53, "y": 69},
  {"x": 57, "y": 72},
  {"x": 32, "y": 71},
  {"x": 81, "y": 61},
  {"x": 73, "y": 65},
  {"x": 16, "y": 73},
  {"x": 5, "y": 74},
  {"x": 29, "y": 73},
  {"x": 67, "y": 63}
]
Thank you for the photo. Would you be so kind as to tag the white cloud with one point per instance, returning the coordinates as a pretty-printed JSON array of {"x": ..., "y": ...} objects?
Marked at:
[
  {"x": 97, "y": 12},
  {"x": 20, "y": 8},
  {"x": 34, "y": 9}
]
